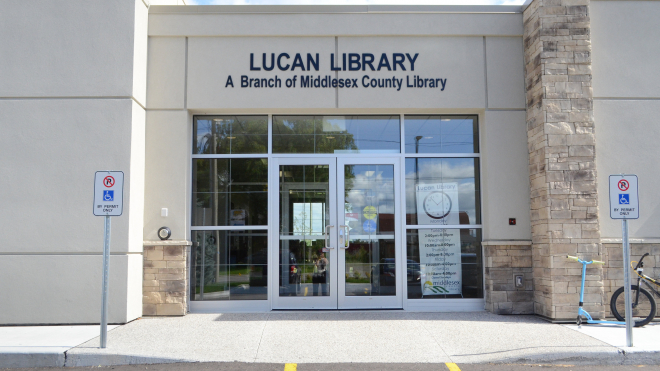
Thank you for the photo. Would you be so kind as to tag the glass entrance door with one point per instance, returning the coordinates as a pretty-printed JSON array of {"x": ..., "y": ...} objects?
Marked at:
[
  {"x": 369, "y": 255},
  {"x": 336, "y": 239},
  {"x": 306, "y": 254}
]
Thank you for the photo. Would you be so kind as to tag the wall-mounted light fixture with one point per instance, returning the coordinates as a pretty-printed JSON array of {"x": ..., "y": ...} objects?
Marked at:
[{"x": 164, "y": 233}]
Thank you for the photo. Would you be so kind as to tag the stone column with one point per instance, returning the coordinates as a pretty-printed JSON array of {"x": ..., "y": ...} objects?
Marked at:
[
  {"x": 560, "y": 129},
  {"x": 165, "y": 284}
]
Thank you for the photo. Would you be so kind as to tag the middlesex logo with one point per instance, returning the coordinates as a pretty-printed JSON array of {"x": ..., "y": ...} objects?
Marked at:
[
  {"x": 376, "y": 65},
  {"x": 428, "y": 286}
]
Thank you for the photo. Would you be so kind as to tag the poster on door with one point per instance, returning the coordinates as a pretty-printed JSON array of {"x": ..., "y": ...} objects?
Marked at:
[
  {"x": 437, "y": 204},
  {"x": 440, "y": 261}
]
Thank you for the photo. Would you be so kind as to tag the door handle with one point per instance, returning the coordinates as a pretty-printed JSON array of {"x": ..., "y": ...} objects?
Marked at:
[
  {"x": 344, "y": 238},
  {"x": 325, "y": 238}
]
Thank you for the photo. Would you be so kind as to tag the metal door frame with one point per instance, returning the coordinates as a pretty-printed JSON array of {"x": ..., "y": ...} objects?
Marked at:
[
  {"x": 372, "y": 302},
  {"x": 301, "y": 302}
]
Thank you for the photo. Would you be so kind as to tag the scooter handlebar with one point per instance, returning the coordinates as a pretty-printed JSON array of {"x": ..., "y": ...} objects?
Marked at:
[{"x": 575, "y": 258}]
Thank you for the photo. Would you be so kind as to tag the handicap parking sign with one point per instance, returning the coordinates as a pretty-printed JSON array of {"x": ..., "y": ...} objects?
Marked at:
[
  {"x": 624, "y": 197},
  {"x": 108, "y": 195}
]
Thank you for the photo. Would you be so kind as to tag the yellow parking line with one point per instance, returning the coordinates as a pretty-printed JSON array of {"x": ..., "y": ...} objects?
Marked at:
[
  {"x": 450, "y": 366},
  {"x": 292, "y": 367}
]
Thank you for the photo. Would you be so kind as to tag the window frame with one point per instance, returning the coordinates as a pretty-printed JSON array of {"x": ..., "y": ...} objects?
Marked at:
[
  {"x": 426, "y": 302},
  {"x": 402, "y": 155}
]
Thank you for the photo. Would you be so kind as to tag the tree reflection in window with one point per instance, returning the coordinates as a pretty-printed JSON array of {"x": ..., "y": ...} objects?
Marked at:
[
  {"x": 336, "y": 134},
  {"x": 230, "y": 134}
]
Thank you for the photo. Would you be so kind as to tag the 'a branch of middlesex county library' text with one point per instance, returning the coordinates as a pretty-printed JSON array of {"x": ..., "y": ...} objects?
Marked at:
[{"x": 327, "y": 81}]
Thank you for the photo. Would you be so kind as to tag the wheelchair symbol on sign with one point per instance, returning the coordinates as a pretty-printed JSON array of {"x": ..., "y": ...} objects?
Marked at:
[
  {"x": 108, "y": 195},
  {"x": 624, "y": 199}
]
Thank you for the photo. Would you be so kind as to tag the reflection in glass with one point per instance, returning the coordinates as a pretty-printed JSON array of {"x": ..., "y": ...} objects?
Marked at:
[
  {"x": 336, "y": 134},
  {"x": 369, "y": 214},
  {"x": 441, "y": 134},
  {"x": 230, "y": 192},
  {"x": 229, "y": 265},
  {"x": 304, "y": 261},
  {"x": 230, "y": 134},
  {"x": 463, "y": 280},
  {"x": 442, "y": 191}
]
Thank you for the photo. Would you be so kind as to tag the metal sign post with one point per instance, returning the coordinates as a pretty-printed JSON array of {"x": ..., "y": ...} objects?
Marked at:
[
  {"x": 108, "y": 201},
  {"x": 104, "y": 289},
  {"x": 626, "y": 282},
  {"x": 624, "y": 205}
]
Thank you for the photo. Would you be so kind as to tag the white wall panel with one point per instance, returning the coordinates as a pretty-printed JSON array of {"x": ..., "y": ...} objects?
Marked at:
[
  {"x": 134, "y": 277},
  {"x": 505, "y": 72},
  {"x": 210, "y": 21},
  {"x": 627, "y": 142},
  {"x": 625, "y": 48},
  {"x": 66, "y": 48},
  {"x": 167, "y": 173},
  {"x": 140, "y": 52},
  {"x": 135, "y": 187},
  {"x": 58, "y": 289},
  {"x": 50, "y": 150},
  {"x": 505, "y": 182},
  {"x": 167, "y": 72}
]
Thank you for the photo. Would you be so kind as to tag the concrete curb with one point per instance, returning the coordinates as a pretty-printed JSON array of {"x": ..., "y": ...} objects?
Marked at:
[
  {"x": 87, "y": 360},
  {"x": 594, "y": 359},
  {"x": 19, "y": 360}
]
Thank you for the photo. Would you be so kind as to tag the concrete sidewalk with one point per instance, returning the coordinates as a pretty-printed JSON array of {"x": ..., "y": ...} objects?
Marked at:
[
  {"x": 338, "y": 337},
  {"x": 41, "y": 346}
]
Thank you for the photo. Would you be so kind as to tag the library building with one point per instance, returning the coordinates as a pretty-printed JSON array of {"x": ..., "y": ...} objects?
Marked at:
[{"x": 413, "y": 158}]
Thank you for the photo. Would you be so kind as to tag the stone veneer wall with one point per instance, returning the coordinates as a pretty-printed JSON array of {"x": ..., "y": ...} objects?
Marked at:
[
  {"x": 165, "y": 281},
  {"x": 614, "y": 265},
  {"x": 560, "y": 128},
  {"x": 502, "y": 264}
]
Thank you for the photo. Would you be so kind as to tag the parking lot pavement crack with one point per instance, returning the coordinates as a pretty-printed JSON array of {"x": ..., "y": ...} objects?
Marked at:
[{"x": 261, "y": 337}]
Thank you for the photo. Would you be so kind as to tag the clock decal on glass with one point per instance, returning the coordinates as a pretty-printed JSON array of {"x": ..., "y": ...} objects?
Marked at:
[{"x": 437, "y": 205}]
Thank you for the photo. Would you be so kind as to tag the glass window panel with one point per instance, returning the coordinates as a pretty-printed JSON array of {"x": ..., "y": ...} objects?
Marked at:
[
  {"x": 441, "y": 134},
  {"x": 230, "y": 192},
  {"x": 369, "y": 199},
  {"x": 369, "y": 213},
  {"x": 449, "y": 264},
  {"x": 370, "y": 266},
  {"x": 442, "y": 191},
  {"x": 229, "y": 265},
  {"x": 304, "y": 266},
  {"x": 230, "y": 134},
  {"x": 336, "y": 134}
]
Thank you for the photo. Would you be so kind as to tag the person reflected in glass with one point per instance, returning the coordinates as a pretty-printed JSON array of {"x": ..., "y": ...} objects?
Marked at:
[{"x": 319, "y": 277}]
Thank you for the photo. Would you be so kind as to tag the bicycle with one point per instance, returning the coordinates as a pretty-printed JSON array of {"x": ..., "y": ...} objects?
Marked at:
[{"x": 644, "y": 305}]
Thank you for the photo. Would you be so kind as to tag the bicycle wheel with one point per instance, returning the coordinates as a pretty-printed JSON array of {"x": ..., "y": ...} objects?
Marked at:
[{"x": 643, "y": 310}]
